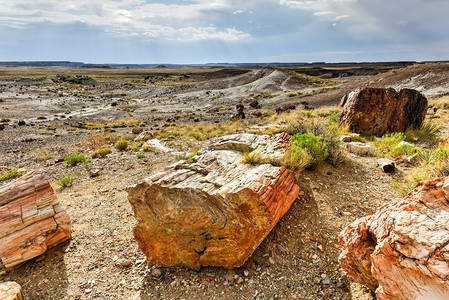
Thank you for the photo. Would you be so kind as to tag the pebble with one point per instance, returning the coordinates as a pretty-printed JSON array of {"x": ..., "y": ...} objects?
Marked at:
[
  {"x": 123, "y": 262},
  {"x": 156, "y": 273}
]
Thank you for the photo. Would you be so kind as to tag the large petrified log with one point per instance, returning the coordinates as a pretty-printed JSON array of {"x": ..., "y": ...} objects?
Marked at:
[
  {"x": 402, "y": 251},
  {"x": 377, "y": 110},
  {"x": 212, "y": 210},
  {"x": 31, "y": 219}
]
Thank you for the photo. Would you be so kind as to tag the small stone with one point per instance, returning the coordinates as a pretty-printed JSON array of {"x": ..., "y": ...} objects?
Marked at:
[
  {"x": 345, "y": 213},
  {"x": 326, "y": 281},
  {"x": 156, "y": 273},
  {"x": 123, "y": 262},
  {"x": 271, "y": 261},
  {"x": 87, "y": 291},
  {"x": 320, "y": 247},
  {"x": 239, "y": 280},
  {"x": 345, "y": 138},
  {"x": 94, "y": 173},
  {"x": 413, "y": 159},
  {"x": 246, "y": 273}
]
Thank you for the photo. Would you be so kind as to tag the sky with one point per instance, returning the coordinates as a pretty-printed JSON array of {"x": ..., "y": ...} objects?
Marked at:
[{"x": 217, "y": 31}]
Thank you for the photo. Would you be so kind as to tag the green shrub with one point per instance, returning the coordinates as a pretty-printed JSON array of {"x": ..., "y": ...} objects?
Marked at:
[
  {"x": 101, "y": 153},
  {"x": 74, "y": 159},
  {"x": 315, "y": 148},
  {"x": 336, "y": 154},
  {"x": 64, "y": 180},
  {"x": 12, "y": 173},
  {"x": 140, "y": 155},
  {"x": 296, "y": 158},
  {"x": 122, "y": 145}
]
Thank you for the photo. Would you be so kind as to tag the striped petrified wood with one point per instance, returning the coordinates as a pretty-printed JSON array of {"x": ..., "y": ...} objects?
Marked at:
[
  {"x": 212, "y": 210},
  {"x": 31, "y": 219}
]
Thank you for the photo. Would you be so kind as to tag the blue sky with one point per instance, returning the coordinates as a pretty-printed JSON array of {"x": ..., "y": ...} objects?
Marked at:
[{"x": 207, "y": 31}]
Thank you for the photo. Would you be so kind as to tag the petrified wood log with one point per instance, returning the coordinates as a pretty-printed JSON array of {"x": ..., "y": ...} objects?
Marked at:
[
  {"x": 31, "y": 219},
  {"x": 212, "y": 210},
  {"x": 10, "y": 290},
  {"x": 402, "y": 251},
  {"x": 377, "y": 110}
]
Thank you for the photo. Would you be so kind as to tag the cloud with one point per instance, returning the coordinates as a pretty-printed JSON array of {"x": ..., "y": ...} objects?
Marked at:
[{"x": 186, "y": 20}]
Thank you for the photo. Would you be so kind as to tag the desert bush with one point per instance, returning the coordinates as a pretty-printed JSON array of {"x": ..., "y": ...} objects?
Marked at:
[
  {"x": 74, "y": 159},
  {"x": 140, "y": 155},
  {"x": 94, "y": 140},
  {"x": 122, "y": 145},
  {"x": 316, "y": 149},
  {"x": 296, "y": 158},
  {"x": 64, "y": 180},
  {"x": 11, "y": 173},
  {"x": 335, "y": 153},
  {"x": 101, "y": 153}
]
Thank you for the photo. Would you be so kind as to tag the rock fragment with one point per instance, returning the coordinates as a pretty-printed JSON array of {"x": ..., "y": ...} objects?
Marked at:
[{"x": 402, "y": 251}]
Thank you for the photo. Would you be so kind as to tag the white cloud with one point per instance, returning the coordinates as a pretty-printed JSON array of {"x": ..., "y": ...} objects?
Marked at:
[{"x": 185, "y": 21}]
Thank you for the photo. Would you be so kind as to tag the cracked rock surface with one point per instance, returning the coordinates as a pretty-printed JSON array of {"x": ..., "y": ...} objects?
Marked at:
[
  {"x": 402, "y": 251},
  {"x": 31, "y": 219},
  {"x": 212, "y": 210}
]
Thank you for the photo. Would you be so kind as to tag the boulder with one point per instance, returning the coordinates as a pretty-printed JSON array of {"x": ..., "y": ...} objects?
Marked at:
[
  {"x": 31, "y": 219},
  {"x": 10, "y": 290},
  {"x": 378, "y": 110},
  {"x": 402, "y": 251},
  {"x": 212, "y": 210}
]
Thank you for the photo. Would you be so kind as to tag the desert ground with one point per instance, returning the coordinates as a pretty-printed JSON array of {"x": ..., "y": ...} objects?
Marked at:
[{"x": 47, "y": 114}]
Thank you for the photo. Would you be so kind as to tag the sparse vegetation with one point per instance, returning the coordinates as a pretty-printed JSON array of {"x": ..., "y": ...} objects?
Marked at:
[
  {"x": 11, "y": 173},
  {"x": 255, "y": 158},
  {"x": 74, "y": 159},
  {"x": 100, "y": 153},
  {"x": 316, "y": 149},
  {"x": 122, "y": 145},
  {"x": 64, "y": 180}
]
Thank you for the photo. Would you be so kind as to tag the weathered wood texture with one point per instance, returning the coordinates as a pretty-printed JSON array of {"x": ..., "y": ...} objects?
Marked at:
[
  {"x": 402, "y": 251},
  {"x": 31, "y": 219},
  {"x": 377, "y": 110},
  {"x": 212, "y": 210},
  {"x": 10, "y": 290}
]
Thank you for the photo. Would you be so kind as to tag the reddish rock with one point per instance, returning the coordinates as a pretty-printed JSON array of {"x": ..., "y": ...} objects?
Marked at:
[
  {"x": 402, "y": 251},
  {"x": 212, "y": 210},
  {"x": 377, "y": 110},
  {"x": 31, "y": 219}
]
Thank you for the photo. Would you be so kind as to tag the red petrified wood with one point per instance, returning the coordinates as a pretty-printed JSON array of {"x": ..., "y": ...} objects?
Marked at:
[
  {"x": 402, "y": 251},
  {"x": 213, "y": 210},
  {"x": 377, "y": 110},
  {"x": 31, "y": 219}
]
